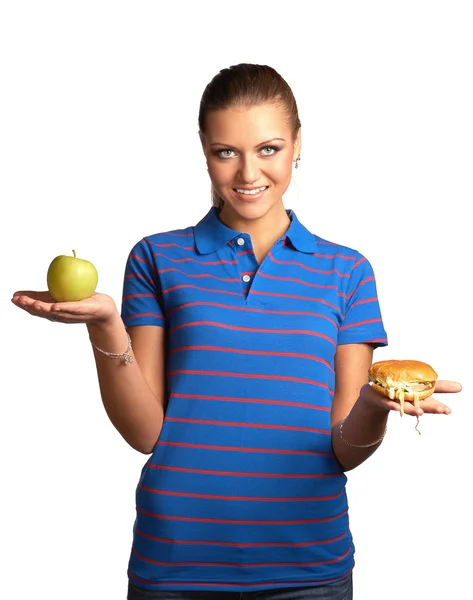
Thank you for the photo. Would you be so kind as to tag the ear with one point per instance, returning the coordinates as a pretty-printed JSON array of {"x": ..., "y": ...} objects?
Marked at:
[{"x": 297, "y": 145}]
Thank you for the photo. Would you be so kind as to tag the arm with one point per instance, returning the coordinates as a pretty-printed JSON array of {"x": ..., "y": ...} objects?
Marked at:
[
  {"x": 133, "y": 395},
  {"x": 360, "y": 332},
  {"x": 366, "y": 416},
  {"x": 365, "y": 410}
]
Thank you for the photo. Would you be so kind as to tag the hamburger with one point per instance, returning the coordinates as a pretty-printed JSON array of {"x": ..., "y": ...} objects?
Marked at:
[{"x": 403, "y": 380}]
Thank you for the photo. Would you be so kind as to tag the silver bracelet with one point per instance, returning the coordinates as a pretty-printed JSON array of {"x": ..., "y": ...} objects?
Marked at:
[
  {"x": 127, "y": 357},
  {"x": 359, "y": 445}
]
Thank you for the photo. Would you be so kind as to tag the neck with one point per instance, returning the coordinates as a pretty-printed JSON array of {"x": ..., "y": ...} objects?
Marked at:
[{"x": 269, "y": 227}]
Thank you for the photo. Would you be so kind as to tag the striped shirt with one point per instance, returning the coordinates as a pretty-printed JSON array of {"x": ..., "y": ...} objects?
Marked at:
[{"x": 242, "y": 490}]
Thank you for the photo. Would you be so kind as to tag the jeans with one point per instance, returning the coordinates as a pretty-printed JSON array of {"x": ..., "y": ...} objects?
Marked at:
[{"x": 340, "y": 590}]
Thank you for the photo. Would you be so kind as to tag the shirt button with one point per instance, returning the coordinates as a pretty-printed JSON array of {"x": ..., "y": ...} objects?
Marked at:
[
  {"x": 240, "y": 241},
  {"x": 246, "y": 278}
]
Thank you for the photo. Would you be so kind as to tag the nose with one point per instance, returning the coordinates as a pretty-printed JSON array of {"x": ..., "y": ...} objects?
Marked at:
[{"x": 249, "y": 169}]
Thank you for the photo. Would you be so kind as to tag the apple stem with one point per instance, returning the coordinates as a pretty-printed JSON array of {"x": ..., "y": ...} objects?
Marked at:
[{"x": 74, "y": 253}]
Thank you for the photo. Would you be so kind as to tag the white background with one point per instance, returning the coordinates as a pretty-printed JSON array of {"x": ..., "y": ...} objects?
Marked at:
[{"x": 99, "y": 147}]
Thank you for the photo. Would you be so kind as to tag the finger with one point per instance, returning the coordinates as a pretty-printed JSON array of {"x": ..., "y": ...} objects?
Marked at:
[
  {"x": 408, "y": 409},
  {"x": 381, "y": 400},
  {"x": 411, "y": 410},
  {"x": 432, "y": 406},
  {"x": 32, "y": 295},
  {"x": 36, "y": 308},
  {"x": 58, "y": 317},
  {"x": 447, "y": 387},
  {"x": 73, "y": 308},
  {"x": 69, "y": 313},
  {"x": 393, "y": 405},
  {"x": 33, "y": 305},
  {"x": 43, "y": 301}
]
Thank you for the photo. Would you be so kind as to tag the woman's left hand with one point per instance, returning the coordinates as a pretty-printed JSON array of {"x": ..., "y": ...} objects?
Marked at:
[{"x": 430, "y": 405}]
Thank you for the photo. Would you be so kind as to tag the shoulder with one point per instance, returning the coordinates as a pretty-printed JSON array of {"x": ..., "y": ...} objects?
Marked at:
[
  {"x": 339, "y": 252},
  {"x": 176, "y": 236},
  {"x": 320, "y": 247},
  {"x": 334, "y": 247},
  {"x": 147, "y": 250},
  {"x": 351, "y": 263}
]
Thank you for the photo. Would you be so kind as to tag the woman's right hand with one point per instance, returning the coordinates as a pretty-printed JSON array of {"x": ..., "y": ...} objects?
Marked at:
[{"x": 99, "y": 308}]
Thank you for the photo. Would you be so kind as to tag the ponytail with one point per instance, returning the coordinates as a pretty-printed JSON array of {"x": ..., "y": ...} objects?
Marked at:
[{"x": 217, "y": 201}]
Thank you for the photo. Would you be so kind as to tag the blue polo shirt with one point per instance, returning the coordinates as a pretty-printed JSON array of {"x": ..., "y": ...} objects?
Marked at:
[{"x": 243, "y": 491}]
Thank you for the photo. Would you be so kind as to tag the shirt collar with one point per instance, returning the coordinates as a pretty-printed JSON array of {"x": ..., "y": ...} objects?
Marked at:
[
  {"x": 300, "y": 237},
  {"x": 211, "y": 234}
]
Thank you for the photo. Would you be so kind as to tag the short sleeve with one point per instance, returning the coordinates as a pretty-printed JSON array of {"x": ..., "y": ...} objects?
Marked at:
[
  {"x": 362, "y": 321},
  {"x": 142, "y": 296}
]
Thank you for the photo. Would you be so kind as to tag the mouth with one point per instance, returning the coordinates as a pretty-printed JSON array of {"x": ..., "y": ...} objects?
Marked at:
[{"x": 250, "y": 194}]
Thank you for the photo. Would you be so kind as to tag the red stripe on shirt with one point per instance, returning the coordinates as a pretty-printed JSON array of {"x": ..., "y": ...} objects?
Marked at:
[
  {"x": 257, "y": 310},
  {"x": 249, "y": 376},
  {"x": 244, "y": 473},
  {"x": 257, "y": 352},
  {"x": 255, "y": 400},
  {"x": 237, "y": 545},
  {"x": 252, "y": 425},
  {"x": 236, "y": 521},
  {"x": 254, "y": 329}
]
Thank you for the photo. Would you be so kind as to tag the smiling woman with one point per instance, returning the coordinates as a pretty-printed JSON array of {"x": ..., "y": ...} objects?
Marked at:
[
  {"x": 250, "y": 341},
  {"x": 256, "y": 308}
]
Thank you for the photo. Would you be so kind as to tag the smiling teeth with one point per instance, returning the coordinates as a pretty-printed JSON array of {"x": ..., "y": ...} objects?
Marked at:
[{"x": 251, "y": 192}]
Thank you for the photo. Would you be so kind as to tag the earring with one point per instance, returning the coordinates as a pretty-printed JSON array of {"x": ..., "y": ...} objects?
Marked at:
[{"x": 297, "y": 161}]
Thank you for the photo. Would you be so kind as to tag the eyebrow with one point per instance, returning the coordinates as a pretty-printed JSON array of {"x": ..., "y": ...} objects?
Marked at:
[{"x": 257, "y": 145}]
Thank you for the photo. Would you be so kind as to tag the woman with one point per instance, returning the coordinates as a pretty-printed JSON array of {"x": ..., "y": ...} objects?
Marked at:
[{"x": 248, "y": 342}]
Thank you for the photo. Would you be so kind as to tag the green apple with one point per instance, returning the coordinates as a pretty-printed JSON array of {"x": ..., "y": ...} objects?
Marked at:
[{"x": 71, "y": 279}]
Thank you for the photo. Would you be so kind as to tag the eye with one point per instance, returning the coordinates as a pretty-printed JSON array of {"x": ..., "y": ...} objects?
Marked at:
[
  {"x": 269, "y": 150},
  {"x": 224, "y": 153}
]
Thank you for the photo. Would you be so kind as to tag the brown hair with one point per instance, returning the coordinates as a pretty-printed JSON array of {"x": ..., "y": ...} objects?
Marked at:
[{"x": 247, "y": 85}]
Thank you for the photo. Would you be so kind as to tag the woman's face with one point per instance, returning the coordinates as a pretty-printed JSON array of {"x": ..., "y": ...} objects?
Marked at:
[{"x": 250, "y": 154}]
